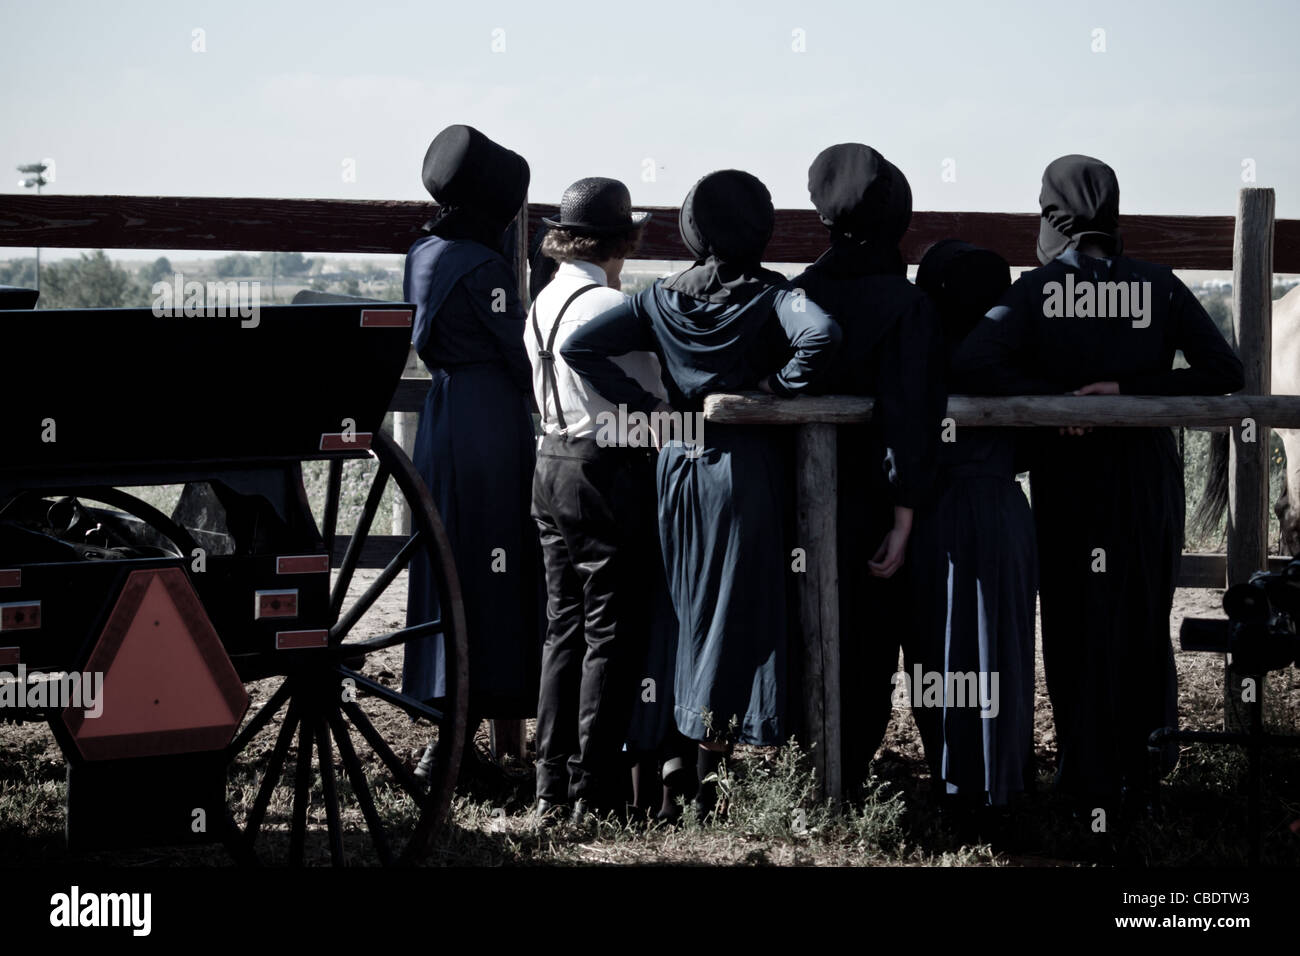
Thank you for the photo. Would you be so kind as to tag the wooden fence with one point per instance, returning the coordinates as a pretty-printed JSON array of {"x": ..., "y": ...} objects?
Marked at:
[{"x": 1252, "y": 244}]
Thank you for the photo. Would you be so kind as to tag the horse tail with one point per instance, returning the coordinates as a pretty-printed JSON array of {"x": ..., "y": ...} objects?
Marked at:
[{"x": 1214, "y": 496}]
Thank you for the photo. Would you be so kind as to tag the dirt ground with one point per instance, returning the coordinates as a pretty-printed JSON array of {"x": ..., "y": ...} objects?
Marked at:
[{"x": 490, "y": 823}]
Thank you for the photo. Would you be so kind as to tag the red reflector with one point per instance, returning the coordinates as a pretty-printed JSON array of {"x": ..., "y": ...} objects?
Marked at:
[
  {"x": 337, "y": 441},
  {"x": 386, "y": 318},
  {"x": 303, "y": 564},
  {"x": 297, "y": 640},
  {"x": 275, "y": 604},
  {"x": 20, "y": 616},
  {"x": 11, "y": 578},
  {"x": 8, "y": 655}
]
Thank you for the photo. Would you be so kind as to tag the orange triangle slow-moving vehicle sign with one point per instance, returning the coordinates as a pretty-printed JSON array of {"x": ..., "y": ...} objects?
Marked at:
[{"x": 168, "y": 685}]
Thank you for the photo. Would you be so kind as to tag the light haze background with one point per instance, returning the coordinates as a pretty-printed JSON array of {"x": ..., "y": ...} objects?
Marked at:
[{"x": 286, "y": 91}]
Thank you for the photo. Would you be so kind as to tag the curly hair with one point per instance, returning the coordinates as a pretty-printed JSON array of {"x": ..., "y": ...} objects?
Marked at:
[{"x": 565, "y": 246}]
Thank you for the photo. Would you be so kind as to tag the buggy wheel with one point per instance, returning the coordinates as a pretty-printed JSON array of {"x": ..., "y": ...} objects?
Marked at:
[{"x": 339, "y": 716}]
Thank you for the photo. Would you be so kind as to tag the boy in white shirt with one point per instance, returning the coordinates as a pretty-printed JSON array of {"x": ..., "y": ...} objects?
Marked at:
[{"x": 595, "y": 508}]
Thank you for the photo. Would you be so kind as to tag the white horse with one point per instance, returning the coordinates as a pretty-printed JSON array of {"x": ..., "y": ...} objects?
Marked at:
[{"x": 1286, "y": 381}]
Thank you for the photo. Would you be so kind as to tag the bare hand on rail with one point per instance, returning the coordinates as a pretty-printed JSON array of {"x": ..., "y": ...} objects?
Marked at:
[
  {"x": 889, "y": 556},
  {"x": 1096, "y": 388}
]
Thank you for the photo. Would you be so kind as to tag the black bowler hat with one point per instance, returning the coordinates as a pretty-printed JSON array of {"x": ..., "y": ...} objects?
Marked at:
[
  {"x": 597, "y": 206},
  {"x": 464, "y": 168}
]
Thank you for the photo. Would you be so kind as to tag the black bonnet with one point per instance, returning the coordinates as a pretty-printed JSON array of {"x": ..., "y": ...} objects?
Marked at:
[
  {"x": 964, "y": 282},
  {"x": 463, "y": 168},
  {"x": 1080, "y": 198},
  {"x": 727, "y": 215},
  {"x": 859, "y": 194}
]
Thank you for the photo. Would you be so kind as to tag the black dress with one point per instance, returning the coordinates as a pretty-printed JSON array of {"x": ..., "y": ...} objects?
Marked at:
[
  {"x": 892, "y": 349},
  {"x": 721, "y": 505},
  {"x": 1108, "y": 505}
]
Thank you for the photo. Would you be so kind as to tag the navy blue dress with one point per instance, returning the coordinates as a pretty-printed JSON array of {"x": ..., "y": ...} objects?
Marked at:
[
  {"x": 975, "y": 576},
  {"x": 722, "y": 505},
  {"x": 475, "y": 450}
]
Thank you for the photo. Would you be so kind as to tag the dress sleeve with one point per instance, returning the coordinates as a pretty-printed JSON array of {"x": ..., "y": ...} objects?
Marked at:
[
  {"x": 911, "y": 402},
  {"x": 496, "y": 304},
  {"x": 813, "y": 335},
  {"x": 589, "y": 352},
  {"x": 996, "y": 357},
  {"x": 1213, "y": 367}
]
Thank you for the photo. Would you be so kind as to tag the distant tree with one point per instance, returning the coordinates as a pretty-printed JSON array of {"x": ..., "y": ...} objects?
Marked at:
[
  {"x": 236, "y": 264},
  {"x": 285, "y": 263},
  {"x": 1220, "y": 312},
  {"x": 19, "y": 272},
  {"x": 91, "y": 281},
  {"x": 352, "y": 287},
  {"x": 159, "y": 271}
]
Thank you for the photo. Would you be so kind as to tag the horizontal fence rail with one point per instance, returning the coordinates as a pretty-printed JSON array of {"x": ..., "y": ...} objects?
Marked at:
[
  {"x": 382, "y": 226},
  {"x": 1019, "y": 411}
]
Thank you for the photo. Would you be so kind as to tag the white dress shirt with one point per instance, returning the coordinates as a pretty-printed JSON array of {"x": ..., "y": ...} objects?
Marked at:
[{"x": 582, "y": 406}]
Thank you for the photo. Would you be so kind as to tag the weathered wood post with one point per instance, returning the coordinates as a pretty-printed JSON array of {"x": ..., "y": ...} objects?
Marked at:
[
  {"x": 405, "y": 425},
  {"x": 508, "y": 737},
  {"x": 819, "y": 604},
  {"x": 1252, "y": 321}
]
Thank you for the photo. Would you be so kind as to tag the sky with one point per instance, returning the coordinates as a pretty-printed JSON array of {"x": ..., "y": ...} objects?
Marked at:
[{"x": 970, "y": 100}]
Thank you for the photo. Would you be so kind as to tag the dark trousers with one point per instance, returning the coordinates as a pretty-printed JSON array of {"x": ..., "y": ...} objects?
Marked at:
[{"x": 595, "y": 509}]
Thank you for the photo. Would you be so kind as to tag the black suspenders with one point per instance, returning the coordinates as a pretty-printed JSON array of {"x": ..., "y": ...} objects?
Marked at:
[{"x": 546, "y": 353}]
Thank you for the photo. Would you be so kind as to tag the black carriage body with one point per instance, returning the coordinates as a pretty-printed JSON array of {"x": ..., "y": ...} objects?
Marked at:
[
  {"x": 96, "y": 401},
  {"x": 171, "y": 400}
]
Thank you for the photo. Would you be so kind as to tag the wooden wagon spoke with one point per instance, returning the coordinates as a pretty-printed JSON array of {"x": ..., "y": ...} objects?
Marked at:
[
  {"x": 376, "y": 588},
  {"x": 260, "y": 719},
  {"x": 360, "y": 787},
  {"x": 272, "y": 776},
  {"x": 377, "y": 743},
  {"x": 333, "y": 489},
  {"x": 355, "y": 543},
  {"x": 393, "y": 638},
  {"x": 301, "y": 795},
  {"x": 329, "y": 791},
  {"x": 413, "y": 707}
]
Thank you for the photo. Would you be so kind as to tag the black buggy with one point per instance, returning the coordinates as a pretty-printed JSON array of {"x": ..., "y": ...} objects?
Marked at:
[{"x": 250, "y": 678}]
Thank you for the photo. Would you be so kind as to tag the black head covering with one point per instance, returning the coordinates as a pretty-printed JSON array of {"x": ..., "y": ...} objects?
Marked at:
[
  {"x": 726, "y": 220},
  {"x": 1079, "y": 199},
  {"x": 965, "y": 282},
  {"x": 865, "y": 201},
  {"x": 479, "y": 185}
]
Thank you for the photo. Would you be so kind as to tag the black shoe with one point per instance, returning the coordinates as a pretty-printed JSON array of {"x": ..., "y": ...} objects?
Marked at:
[
  {"x": 580, "y": 812},
  {"x": 548, "y": 814}
]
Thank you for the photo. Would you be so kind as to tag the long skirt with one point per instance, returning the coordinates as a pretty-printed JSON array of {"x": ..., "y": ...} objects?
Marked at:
[
  {"x": 475, "y": 450},
  {"x": 721, "y": 513},
  {"x": 970, "y": 667},
  {"x": 1109, "y": 508},
  {"x": 876, "y": 614}
]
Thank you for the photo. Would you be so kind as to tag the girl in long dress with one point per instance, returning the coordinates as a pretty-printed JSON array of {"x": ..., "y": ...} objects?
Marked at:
[
  {"x": 974, "y": 576},
  {"x": 475, "y": 447},
  {"x": 723, "y": 324},
  {"x": 1108, "y": 503}
]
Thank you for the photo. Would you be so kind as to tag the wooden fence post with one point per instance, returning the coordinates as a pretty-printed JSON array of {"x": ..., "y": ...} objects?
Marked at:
[
  {"x": 509, "y": 737},
  {"x": 405, "y": 425},
  {"x": 1252, "y": 320},
  {"x": 819, "y": 604}
]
